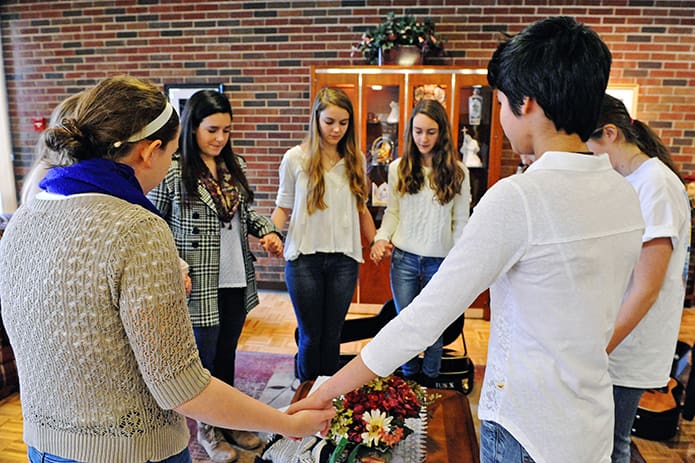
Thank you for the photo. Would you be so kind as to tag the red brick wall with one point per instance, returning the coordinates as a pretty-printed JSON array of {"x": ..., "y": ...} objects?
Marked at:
[{"x": 262, "y": 52}]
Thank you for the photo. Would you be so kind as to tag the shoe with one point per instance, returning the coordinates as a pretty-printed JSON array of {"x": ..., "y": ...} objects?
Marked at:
[
  {"x": 244, "y": 439},
  {"x": 217, "y": 448}
]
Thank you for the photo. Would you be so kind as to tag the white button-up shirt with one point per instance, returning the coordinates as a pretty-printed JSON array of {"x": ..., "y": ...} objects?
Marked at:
[{"x": 556, "y": 246}]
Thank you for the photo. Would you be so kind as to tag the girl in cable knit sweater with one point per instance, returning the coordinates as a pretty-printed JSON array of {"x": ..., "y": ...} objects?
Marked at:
[{"x": 428, "y": 205}]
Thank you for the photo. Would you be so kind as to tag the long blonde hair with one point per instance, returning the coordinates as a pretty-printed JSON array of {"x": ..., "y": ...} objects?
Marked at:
[{"x": 347, "y": 149}]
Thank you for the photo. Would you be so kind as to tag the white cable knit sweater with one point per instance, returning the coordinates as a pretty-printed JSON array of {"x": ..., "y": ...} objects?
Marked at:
[
  {"x": 94, "y": 305},
  {"x": 418, "y": 223}
]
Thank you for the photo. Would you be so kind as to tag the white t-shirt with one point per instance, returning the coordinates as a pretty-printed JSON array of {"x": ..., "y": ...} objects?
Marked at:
[
  {"x": 644, "y": 358},
  {"x": 556, "y": 246},
  {"x": 418, "y": 223},
  {"x": 334, "y": 229}
]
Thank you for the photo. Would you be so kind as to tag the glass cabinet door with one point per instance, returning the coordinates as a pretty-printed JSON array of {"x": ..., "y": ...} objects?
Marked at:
[
  {"x": 382, "y": 125},
  {"x": 475, "y": 123}
]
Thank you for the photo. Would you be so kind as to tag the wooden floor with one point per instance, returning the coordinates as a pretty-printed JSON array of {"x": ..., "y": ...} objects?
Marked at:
[{"x": 270, "y": 328}]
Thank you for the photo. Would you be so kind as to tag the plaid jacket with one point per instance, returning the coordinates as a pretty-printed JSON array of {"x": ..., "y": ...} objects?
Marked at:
[{"x": 196, "y": 229}]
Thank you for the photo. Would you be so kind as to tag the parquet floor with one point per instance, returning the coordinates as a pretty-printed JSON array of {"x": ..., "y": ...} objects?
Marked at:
[{"x": 270, "y": 328}]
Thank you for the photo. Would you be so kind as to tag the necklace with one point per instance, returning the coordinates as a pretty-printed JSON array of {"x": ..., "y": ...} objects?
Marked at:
[{"x": 331, "y": 160}]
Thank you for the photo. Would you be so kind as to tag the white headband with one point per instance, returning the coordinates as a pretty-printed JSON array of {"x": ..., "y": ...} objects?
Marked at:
[
  {"x": 150, "y": 128},
  {"x": 153, "y": 126}
]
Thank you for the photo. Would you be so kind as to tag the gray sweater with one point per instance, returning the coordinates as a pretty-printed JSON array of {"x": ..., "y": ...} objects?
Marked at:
[{"x": 94, "y": 305}]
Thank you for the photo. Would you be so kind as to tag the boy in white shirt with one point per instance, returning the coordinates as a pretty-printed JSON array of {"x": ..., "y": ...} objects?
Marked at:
[{"x": 556, "y": 246}]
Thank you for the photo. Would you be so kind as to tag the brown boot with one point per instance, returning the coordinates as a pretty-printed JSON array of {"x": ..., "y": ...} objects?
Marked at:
[
  {"x": 217, "y": 448},
  {"x": 244, "y": 439}
]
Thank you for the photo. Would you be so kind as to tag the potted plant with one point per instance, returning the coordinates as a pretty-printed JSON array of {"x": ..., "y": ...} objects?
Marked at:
[{"x": 397, "y": 32}]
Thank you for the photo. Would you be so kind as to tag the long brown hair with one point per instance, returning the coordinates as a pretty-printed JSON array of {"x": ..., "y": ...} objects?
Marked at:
[
  {"x": 447, "y": 174},
  {"x": 613, "y": 111},
  {"x": 347, "y": 149}
]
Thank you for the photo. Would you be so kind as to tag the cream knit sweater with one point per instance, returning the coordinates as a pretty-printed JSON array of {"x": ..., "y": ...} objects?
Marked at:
[
  {"x": 418, "y": 223},
  {"x": 94, "y": 305}
]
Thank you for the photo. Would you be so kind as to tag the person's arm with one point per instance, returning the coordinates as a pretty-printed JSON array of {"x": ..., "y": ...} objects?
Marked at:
[
  {"x": 647, "y": 279},
  {"x": 389, "y": 223},
  {"x": 367, "y": 227},
  {"x": 351, "y": 376},
  {"x": 280, "y": 216},
  {"x": 219, "y": 404},
  {"x": 265, "y": 230},
  {"x": 286, "y": 192}
]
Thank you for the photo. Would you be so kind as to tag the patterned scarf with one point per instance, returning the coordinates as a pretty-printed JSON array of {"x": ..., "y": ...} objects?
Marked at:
[
  {"x": 223, "y": 191},
  {"x": 97, "y": 175}
]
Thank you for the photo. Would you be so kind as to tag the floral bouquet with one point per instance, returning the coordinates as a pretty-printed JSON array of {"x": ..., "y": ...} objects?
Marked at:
[{"x": 371, "y": 420}]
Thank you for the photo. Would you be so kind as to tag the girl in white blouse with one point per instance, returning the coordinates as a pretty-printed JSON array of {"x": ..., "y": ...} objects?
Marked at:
[{"x": 323, "y": 193}]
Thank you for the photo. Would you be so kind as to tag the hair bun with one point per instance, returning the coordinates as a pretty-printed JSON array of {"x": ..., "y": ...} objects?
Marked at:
[{"x": 69, "y": 139}]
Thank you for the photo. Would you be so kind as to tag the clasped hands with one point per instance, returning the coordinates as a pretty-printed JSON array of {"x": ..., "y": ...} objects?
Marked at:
[
  {"x": 272, "y": 244},
  {"x": 379, "y": 250},
  {"x": 315, "y": 403}
]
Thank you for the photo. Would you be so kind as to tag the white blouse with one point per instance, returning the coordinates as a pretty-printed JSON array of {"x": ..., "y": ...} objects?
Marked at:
[
  {"x": 334, "y": 229},
  {"x": 556, "y": 246}
]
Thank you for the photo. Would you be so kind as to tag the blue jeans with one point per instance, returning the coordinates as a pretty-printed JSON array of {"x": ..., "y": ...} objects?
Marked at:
[
  {"x": 626, "y": 400},
  {"x": 217, "y": 344},
  {"x": 497, "y": 445},
  {"x": 321, "y": 286},
  {"x": 409, "y": 274},
  {"x": 40, "y": 457}
]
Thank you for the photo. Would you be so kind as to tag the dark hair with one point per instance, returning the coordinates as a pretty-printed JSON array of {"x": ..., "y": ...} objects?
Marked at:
[
  {"x": 199, "y": 106},
  {"x": 106, "y": 116},
  {"x": 613, "y": 111},
  {"x": 447, "y": 174},
  {"x": 560, "y": 63}
]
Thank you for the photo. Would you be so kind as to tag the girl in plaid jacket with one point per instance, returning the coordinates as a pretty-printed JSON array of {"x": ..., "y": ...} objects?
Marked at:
[{"x": 206, "y": 198}]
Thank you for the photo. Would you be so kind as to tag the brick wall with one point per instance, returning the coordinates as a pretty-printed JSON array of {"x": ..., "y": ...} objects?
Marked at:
[{"x": 262, "y": 50}]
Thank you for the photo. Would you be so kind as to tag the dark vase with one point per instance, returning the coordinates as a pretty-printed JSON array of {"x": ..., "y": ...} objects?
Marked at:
[{"x": 402, "y": 55}]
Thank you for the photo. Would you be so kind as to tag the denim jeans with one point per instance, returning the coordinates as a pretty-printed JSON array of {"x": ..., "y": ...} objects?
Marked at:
[
  {"x": 40, "y": 457},
  {"x": 409, "y": 274},
  {"x": 497, "y": 445},
  {"x": 626, "y": 400},
  {"x": 217, "y": 344},
  {"x": 321, "y": 286}
]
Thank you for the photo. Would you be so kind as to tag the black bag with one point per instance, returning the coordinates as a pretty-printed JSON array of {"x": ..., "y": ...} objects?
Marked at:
[
  {"x": 457, "y": 372},
  {"x": 659, "y": 411}
]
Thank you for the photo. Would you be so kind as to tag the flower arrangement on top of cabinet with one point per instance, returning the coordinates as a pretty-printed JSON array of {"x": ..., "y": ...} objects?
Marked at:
[{"x": 397, "y": 31}]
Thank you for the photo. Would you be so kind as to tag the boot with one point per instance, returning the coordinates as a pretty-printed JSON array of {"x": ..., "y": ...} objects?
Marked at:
[
  {"x": 218, "y": 449},
  {"x": 244, "y": 439}
]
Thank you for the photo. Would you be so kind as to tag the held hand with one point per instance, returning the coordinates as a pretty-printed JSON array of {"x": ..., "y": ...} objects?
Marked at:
[
  {"x": 188, "y": 284},
  {"x": 380, "y": 249},
  {"x": 273, "y": 244},
  {"x": 309, "y": 422},
  {"x": 309, "y": 403}
]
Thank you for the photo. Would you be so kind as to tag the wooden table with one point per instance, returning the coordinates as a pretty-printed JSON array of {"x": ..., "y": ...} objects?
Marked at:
[{"x": 451, "y": 436}]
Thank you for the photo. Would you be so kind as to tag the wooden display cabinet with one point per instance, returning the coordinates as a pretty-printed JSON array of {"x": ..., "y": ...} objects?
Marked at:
[{"x": 374, "y": 91}]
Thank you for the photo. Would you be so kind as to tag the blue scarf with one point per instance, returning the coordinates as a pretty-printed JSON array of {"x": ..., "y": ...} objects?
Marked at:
[{"x": 97, "y": 175}]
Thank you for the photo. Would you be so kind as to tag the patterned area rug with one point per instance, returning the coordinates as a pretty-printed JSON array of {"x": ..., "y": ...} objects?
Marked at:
[{"x": 263, "y": 376}]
